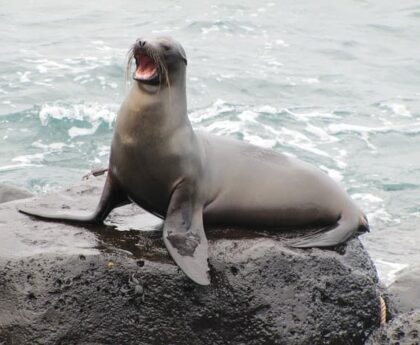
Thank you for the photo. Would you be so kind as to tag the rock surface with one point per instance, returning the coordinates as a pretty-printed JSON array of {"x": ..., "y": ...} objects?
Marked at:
[
  {"x": 403, "y": 330},
  {"x": 10, "y": 193},
  {"x": 65, "y": 284},
  {"x": 405, "y": 290}
]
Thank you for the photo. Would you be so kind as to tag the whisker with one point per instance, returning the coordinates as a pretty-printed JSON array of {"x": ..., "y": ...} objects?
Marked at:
[{"x": 130, "y": 57}]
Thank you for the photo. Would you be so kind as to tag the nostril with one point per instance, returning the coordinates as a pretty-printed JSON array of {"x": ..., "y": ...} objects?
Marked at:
[{"x": 141, "y": 43}]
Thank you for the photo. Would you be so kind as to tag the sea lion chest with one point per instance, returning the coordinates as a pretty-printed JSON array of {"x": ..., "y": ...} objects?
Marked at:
[{"x": 143, "y": 160}]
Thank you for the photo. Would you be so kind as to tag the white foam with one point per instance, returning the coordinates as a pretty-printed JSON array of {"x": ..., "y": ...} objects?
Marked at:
[
  {"x": 44, "y": 65},
  {"x": 321, "y": 134},
  {"x": 93, "y": 112},
  {"x": 24, "y": 77},
  {"x": 213, "y": 28},
  {"x": 104, "y": 48},
  {"x": 227, "y": 75},
  {"x": 388, "y": 270},
  {"x": 248, "y": 124},
  {"x": 103, "y": 150},
  {"x": 282, "y": 43},
  {"x": 28, "y": 159},
  {"x": 268, "y": 109},
  {"x": 30, "y": 52},
  {"x": 247, "y": 28},
  {"x": 379, "y": 216},
  {"x": 73, "y": 66},
  {"x": 310, "y": 81},
  {"x": 53, "y": 146},
  {"x": 248, "y": 115},
  {"x": 333, "y": 173},
  {"x": 40, "y": 83},
  {"x": 365, "y": 137},
  {"x": 45, "y": 188},
  {"x": 337, "y": 128},
  {"x": 397, "y": 108},
  {"x": 165, "y": 29},
  {"x": 301, "y": 116},
  {"x": 78, "y": 131},
  {"x": 374, "y": 207},
  {"x": 18, "y": 166},
  {"x": 367, "y": 197},
  {"x": 217, "y": 108},
  {"x": 225, "y": 127},
  {"x": 256, "y": 140},
  {"x": 273, "y": 62},
  {"x": 297, "y": 139},
  {"x": 81, "y": 77}
]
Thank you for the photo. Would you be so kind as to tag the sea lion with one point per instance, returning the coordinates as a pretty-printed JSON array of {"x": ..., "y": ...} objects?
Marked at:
[{"x": 189, "y": 178}]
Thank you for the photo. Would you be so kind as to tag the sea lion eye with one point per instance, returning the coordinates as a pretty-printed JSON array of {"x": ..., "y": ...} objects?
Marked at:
[{"x": 166, "y": 47}]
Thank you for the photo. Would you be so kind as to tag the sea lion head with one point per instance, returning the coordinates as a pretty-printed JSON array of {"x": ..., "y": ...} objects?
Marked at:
[{"x": 159, "y": 62}]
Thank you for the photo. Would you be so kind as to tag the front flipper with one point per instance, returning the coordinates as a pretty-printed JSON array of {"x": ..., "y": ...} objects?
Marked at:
[
  {"x": 184, "y": 236},
  {"x": 112, "y": 196}
]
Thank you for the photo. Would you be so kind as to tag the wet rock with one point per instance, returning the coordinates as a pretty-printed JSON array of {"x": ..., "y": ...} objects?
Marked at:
[
  {"x": 403, "y": 330},
  {"x": 405, "y": 290},
  {"x": 65, "y": 284},
  {"x": 10, "y": 193}
]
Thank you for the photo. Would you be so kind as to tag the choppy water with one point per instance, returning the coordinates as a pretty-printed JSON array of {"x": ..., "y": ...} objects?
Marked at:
[{"x": 334, "y": 83}]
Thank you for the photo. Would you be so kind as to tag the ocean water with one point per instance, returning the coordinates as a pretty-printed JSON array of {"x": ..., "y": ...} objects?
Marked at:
[{"x": 334, "y": 83}]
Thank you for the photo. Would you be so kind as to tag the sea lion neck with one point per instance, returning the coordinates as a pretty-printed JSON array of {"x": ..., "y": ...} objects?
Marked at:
[
  {"x": 168, "y": 105},
  {"x": 146, "y": 116}
]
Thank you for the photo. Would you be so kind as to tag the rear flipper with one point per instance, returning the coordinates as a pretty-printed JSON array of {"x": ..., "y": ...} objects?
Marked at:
[
  {"x": 183, "y": 234},
  {"x": 112, "y": 196},
  {"x": 352, "y": 222}
]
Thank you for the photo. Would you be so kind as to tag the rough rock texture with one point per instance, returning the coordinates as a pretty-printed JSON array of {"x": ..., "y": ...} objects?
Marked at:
[
  {"x": 64, "y": 284},
  {"x": 405, "y": 290},
  {"x": 10, "y": 193},
  {"x": 403, "y": 330}
]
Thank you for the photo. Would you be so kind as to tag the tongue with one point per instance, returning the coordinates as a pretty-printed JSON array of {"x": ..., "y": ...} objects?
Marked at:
[{"x": 146, "y": 69}]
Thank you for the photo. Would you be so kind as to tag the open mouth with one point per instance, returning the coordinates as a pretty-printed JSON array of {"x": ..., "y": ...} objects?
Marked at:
[{"x": 146, "y": 70}]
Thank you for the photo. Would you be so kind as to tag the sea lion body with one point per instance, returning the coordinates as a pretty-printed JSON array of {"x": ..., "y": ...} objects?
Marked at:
[
  {"x": 252, "y": 186},
  {"x": 193, "y": 178}
]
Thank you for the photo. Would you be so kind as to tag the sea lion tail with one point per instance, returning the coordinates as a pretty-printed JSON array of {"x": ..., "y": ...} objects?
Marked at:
[{"x": 352, "y": 222}]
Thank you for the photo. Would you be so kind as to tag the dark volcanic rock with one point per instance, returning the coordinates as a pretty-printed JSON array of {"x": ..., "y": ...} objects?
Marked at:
[
  {"x": 10, "y": 193},
  {"x": 405, "y": 290},
  {"x": 62, "y": 284},
  {"x": 403, "y": 330}
]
